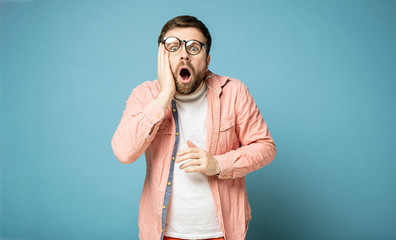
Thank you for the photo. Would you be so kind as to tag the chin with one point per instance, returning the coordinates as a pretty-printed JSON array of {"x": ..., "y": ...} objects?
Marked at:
[{"x": 187, "y": 88}]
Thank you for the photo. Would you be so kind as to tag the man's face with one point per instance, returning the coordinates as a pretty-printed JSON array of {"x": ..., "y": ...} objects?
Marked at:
[{"x": 188, "y": 70}]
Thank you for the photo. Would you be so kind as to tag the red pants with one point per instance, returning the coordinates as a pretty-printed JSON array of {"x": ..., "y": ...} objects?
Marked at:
[{"x": 170, "y": 238}]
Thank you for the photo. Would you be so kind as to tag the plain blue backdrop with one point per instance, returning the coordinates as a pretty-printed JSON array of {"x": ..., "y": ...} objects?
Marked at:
[{"x": 321, "y": 72}]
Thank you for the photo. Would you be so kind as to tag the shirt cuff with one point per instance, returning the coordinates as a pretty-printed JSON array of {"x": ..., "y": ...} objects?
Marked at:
[
  {"x": 153, "y": 112},
  {"x": 226, "y": 162}
]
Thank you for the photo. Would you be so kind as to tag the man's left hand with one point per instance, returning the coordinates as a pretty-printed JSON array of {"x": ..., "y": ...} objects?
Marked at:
[{"x": 200, "y": 160}]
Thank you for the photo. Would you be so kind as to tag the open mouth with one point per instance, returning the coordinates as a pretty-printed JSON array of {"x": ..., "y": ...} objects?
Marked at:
[{"x": 185, "y": 75}]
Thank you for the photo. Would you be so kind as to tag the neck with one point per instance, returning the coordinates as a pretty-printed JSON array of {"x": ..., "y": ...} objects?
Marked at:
[{"x": 193, "y": 96}]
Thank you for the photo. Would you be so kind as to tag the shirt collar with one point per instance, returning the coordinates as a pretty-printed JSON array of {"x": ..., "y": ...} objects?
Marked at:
[{"x": 215, "y": 82}]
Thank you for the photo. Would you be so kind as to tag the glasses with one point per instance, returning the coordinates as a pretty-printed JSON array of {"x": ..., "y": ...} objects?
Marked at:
[{"x": 193, "y": 47}]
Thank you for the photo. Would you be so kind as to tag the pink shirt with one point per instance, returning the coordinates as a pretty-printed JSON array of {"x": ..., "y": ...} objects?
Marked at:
[{"x": 237, "y": 136}]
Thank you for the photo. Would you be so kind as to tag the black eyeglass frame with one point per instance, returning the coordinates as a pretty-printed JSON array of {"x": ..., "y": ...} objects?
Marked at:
[{"x": 185, "y": 44}]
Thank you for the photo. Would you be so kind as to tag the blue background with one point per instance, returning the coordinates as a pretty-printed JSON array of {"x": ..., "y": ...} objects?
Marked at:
[{"x": 321, "y": 72}]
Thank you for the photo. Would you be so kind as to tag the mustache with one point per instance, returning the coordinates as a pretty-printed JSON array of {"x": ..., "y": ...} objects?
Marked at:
[{"x": 185, "y": 64}]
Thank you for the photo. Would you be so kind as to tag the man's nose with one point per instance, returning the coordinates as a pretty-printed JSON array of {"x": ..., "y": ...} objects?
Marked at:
[{"x": 183, "y": 53}]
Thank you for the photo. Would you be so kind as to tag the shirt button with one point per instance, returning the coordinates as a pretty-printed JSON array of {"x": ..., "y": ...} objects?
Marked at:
[
  {"x": 162, "y": 230},
  {"x": 224, "y": 176},
  {"x": 158, "y": 116},
  {"x": 163, "y": 206},
  {"x": 174, "y": 110},
  {"x": 221, "y": 128},
  {"x": 169, "y": 183},
  {"x": 173, "y": 158},
  {"x": 147, "y": 140},
  {"x": 177, "y": 133}
]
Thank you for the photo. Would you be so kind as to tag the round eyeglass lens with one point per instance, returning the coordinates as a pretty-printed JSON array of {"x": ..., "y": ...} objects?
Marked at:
[
  {"x": 193, "y": 47},
  {"x": 172, "y": 44}
]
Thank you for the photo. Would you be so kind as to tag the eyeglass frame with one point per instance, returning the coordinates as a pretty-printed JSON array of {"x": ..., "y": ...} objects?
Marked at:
[{"x": 185, "y": 44}]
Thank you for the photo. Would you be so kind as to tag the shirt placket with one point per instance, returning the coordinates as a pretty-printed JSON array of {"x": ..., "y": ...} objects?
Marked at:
[
  {"x": 214, "y": 116},
  {"x": 170, "y": 177}
]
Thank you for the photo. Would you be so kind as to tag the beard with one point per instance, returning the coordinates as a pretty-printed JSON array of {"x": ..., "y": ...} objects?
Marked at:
[{"x": 197, "y": 77}]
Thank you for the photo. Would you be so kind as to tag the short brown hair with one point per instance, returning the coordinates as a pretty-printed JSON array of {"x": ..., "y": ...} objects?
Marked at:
[{"x": 186, "y": 21}]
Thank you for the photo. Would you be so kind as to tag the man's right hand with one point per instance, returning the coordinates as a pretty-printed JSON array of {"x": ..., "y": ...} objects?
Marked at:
[{"x": 165, "y": 78}]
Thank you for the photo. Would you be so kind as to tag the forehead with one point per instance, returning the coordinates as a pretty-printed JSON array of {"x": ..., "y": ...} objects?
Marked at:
[{"x": 186, "y": 34}]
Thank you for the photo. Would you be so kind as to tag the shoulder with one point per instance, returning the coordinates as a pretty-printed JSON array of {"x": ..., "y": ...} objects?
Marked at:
[
  {"x": 225, "y": 84},
  {"x": 235, "y": 90},
  {"x": 148, "y": 86},
  {"x": 146, "y": 90},
  {"x": 235, "y": 83}
]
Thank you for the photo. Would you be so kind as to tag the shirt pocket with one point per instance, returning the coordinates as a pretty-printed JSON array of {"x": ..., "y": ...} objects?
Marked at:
[
  {"x": 162, "y": 141},
  {"x": 228, "y": 139},
  {"x": 227, "y": 123}
]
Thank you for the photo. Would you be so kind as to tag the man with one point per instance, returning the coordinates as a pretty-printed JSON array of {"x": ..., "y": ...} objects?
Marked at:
[{"x": 201, "y": 134}]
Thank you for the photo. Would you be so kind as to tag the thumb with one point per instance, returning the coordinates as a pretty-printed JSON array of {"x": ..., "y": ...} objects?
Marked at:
[{"x": 190, "y": 143}]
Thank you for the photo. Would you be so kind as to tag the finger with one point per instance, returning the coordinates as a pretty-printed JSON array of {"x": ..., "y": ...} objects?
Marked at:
[
  {"x": 188, "y": 156},
  {"x": 166, "y": 57},
  {"x": 195, "y": 169},
  {"x": 159, "y": 62},
  {"x": 190, "y": 143},
  {"x": 165, "y": 60},
  {"x": 160, "y": 51},
  {"x": 188, "y": 150},
  {"x": 190, "y": 164}
]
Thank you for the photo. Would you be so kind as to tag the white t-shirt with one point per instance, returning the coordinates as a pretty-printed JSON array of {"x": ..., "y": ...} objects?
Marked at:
[{"x": 192, "y": 210}]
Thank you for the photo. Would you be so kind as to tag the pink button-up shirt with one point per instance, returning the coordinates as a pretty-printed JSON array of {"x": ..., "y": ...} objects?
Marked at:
[{"x": 237, "y": 136}]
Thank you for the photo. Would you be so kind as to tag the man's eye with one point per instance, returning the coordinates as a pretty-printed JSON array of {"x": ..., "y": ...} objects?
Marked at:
[
  {"x": 194, "y": 49},
  {"x": 174, "y": 48}
]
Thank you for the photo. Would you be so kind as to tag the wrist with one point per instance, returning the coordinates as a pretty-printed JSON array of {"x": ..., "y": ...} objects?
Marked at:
[
  {"x": 164, "y": 98},
  {"x": 218, "y": 169}
]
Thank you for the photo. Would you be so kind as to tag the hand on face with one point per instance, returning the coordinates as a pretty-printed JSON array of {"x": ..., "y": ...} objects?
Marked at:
[
  {"x": 200, "y": 160},
  {"x": 164, "y": 74}
]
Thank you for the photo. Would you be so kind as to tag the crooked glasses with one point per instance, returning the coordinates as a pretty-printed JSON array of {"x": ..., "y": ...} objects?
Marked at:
[{"x": 193, "y": 47}]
